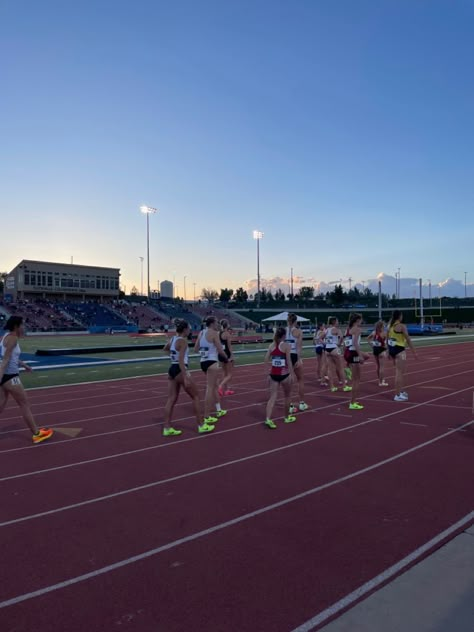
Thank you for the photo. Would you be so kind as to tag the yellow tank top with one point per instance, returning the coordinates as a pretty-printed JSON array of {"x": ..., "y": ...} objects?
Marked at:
[{"x": 396, "y": 339}]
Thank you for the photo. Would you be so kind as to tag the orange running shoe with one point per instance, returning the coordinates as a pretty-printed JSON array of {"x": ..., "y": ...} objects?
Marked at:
[{"x": 43, "y": 434}]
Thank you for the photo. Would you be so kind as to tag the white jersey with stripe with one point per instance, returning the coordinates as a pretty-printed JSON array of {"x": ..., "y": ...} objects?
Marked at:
[
  {"x": 13, "y": 365},
  {"x": 174, "y": 353},
  {"x": 331, "y": 340},
  {"x": 320, "y": 336},
  {"x": 207, "y": 349},
  {"x": 291, "y": 340}
]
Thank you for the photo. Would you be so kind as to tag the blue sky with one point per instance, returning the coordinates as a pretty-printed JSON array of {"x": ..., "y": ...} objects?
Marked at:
[{"x": 341, "y": 129}]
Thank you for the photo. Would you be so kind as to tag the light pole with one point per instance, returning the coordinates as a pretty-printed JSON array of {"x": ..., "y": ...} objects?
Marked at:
[
  {"x": 465, "y": 285},
  {"x": 148, "y": 210},
  {"x": 184, "y": 291},
  {"x": 429, "y": 293},
  {"x": 194, "y": 285},
  {"x": 257, "y": 235},
  {"x": 141, "y": 262}
]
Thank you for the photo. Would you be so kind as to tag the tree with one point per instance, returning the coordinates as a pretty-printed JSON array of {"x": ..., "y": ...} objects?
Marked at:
[
  {"x": 240, "y": 295},
  {"x": 280, "y": 296},
  {"x": 134, "y": 291},
  {"x": 306, "y": 293},
  {"x": 338, "y": 295},
  {"x": 225, "y": 295},
  {"x": 209, "y": 294}
]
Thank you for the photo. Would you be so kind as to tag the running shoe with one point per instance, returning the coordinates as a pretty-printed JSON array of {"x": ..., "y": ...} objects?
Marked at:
[
  {"x": 303, "y": 406},
  {"x": 229, "y": 392},
  {"x": 42, "y": 435},
  {"x": 292, "y": 409},
  {"x": 210, "y": 420},
  {"x": 334, "y": 389},
  {"x": 289, "y": 420},
  {"x": 220, "y": 413},
  {"x": 404, "y": 394},
  {"x": 347, "y": 388},
  {"x": 348, "y": 373},
  {"x": 400, "y": 398},
  {"x": 383, "y": 383},
  {"x": 205, "y": 427},
  {"x": 355, "y": 406},
  {"x": 270, "y": 424},
  {"x": 171, "y": 432}
]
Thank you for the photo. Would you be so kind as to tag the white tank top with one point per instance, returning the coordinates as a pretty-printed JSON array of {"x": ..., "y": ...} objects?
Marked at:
[
  {"x": 207, "y": 350},
  {"x": 174, "y": 353},
  {"x": 331, "y": 340},
  {"x": 291, "y": 340},
  {"x": 320, "y": 336},
  {"x": 13, "y": 365}
]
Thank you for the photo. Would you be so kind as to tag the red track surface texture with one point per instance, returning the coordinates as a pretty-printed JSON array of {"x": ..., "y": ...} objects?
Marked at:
[{"x": 245, "y": 530}]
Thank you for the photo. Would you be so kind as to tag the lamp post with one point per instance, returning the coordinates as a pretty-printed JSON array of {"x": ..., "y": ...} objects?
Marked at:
[
  {"x": 465, "y": 285},
  {"x": 141, "y": 275},
  {"x": 184, "y": 291},
  {"x": 194, "y": 285},
  {"x": 257, "y": 235},
  {"x": 148, "y": 210}
]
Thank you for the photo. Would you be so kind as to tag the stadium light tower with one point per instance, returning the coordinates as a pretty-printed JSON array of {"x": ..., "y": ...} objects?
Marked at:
[
  {"x": 141, "y": 274},
  {"x": 257, "y": 235},
  {"x": 148, "y": 210}
]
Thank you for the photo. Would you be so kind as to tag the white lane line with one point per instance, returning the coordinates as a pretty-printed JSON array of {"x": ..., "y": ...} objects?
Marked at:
[
  {"x": 382, "y": 577},
  {"x": 407, "y": 423},
  {"x": 189, "y": 474},
  {"x": 224, "y": 525}
]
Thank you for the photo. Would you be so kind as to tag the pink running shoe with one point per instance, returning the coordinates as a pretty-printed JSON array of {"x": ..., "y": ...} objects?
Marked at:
[{"x": 229, "y": 392}]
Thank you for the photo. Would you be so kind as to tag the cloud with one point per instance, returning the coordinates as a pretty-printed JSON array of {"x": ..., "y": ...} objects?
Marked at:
[{"x": 409, "y": 287}]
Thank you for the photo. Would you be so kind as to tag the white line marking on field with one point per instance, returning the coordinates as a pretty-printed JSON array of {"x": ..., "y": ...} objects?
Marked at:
[
  {"x": 382, "y": 577},
  {"x": 253, "y": 514},
  {"x": 407, "y": 423}
]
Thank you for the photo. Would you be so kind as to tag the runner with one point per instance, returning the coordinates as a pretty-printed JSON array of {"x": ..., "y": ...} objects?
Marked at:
[
  {"x": 10, "y": 383},
  {"x": 179, "y": 376},
  {"x": 354, "y": 356},
  {"x": 332, "y": 343},
  {"x": 209, "y": 347},
  {"x": 228, "y": 367},
  {"x": 294, "y": 338},
  {"x": 378, "y": 339},
  {"x": 281, "y": 374},
  {"x": 321, "y": 359},
  {"x": 398, "y": 339}
]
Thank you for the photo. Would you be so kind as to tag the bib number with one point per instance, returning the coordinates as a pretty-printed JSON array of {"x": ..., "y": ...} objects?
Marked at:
[
  {"x": 15, "y": 381},
  {"x": 278, "y": 363},
  {"x": 204, "y": 353},
  {"x": 347, "y": 342},
  {"x": 392, "y": 342},
  {"x": 376, "y": 343}
]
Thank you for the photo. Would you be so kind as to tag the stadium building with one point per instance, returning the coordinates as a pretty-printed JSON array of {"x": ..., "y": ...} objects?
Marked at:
[{"x": 61, "y": 281}]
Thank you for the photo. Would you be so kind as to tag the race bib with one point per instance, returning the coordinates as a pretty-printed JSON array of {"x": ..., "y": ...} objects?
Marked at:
[
  {"x": 204, "y": 353},
  {"x": 376, "y": 343},
  {"x": 173, "y": 355},
  {"x": 348, "y": 342},
  {"x": 278, "y": 363},
  {"x": 15, "y": 381},
  {"x": 392, "y": 342}
]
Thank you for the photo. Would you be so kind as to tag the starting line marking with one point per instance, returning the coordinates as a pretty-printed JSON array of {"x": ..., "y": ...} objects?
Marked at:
[{"x": 306, "y": 627}]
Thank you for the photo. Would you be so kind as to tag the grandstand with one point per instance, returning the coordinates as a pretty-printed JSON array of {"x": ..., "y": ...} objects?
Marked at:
[
  {"x": 42, "y": 315},
  {"x": 93, "y": 314},
  {"x": 235, "y": 320},
  {"x": 143, "y": 315}
]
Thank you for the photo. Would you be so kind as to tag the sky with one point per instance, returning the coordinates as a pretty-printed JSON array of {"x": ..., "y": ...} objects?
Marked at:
[{"x": 342, "y": 130}]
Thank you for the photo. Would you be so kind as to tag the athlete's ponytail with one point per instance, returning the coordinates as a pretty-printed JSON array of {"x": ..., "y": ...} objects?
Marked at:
[
  {"x": 13, "y": 322},
  {"x": 396, "y": 315},
  {"x": 353, "y": 318},
  {"x": 180, "y": 325},
  {"x": 280, "y": 333}
]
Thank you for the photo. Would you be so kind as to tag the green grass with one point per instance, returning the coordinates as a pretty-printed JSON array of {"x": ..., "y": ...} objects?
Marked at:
[{"x": 76, "y": 375}]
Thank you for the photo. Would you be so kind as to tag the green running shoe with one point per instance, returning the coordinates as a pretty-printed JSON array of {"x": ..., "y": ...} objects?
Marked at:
[
  {"x": 171, "y": 432},
  {"x": 270, "y": 424},
  {"x": 220, "y": 413},
  {"x": 204, "y": 427},
  {"x": 289, "y": 420}
]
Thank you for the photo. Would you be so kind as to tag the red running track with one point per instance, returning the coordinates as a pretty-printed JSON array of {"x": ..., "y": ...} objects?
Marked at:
[{"x": 243, "y": 530}]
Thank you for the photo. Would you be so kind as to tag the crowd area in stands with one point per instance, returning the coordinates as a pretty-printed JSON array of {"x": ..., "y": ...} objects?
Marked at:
[{"x": 42, "y": 315}]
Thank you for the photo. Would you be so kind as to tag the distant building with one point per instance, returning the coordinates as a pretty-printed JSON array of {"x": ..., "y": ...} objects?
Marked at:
[
  {"x": 166, "y": 289},
  {"x": 63, "y": 281}
]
